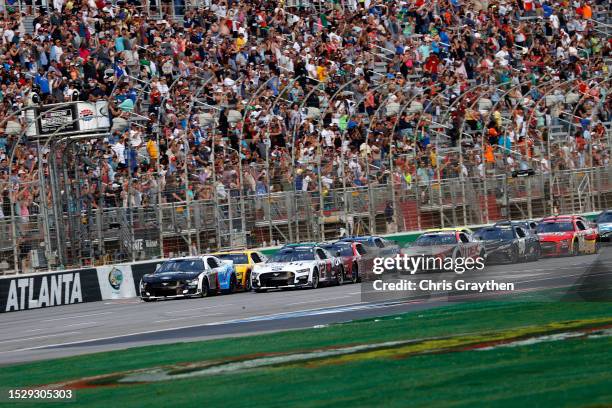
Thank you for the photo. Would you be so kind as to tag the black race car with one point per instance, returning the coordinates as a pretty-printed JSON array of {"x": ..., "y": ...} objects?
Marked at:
[{"x": 510, "y": 242}]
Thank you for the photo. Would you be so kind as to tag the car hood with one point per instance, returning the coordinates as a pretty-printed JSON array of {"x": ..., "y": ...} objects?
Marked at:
[
  {"x": 428, "y": 250},
  {"x": 283, "y": 266},
  {"x": 169, "y": 276},
  {"x": 496, "y": 244},
  {"x": 555, "y": 236}
]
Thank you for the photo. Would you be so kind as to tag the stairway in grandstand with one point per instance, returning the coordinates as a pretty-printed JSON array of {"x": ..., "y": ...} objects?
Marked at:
[{"x": 28, "y": 23}]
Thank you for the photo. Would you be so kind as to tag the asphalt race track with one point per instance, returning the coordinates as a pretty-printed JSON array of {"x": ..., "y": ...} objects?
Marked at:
[{"x": 110, "y": 325}]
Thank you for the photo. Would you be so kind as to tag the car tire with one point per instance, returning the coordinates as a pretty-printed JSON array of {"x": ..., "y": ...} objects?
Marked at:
[
  {"x": 261, "y": 290},
  {"x": 205, "y": 289},
  {"x": 575, "y": 249},
  {"x": 355, "y": 273},
  {"x": 315, "y": 279},
  {"x": 247, "y": 284},
  {"x": 147, "y": 300},
  {"x": 514, "y": 257},
  {"x": 537, "y": 253},
  {"x": 340, "y": 277}
]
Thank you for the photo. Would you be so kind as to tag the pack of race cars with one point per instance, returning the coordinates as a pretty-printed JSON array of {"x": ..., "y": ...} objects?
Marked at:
[{"x": 309, "y": 265}]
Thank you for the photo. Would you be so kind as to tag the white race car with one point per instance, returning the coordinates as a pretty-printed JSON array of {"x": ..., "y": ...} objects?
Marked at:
[{"x": 298, "y": 266}]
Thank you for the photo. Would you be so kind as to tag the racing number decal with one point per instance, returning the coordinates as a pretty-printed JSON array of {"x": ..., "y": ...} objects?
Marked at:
[
  {"x": 521, "y": 246},
  {"x": 581, "y": 243}
]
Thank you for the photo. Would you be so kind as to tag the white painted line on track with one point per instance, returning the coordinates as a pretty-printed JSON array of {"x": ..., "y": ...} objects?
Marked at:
[
  {"x": 187, "y": 317},
  {"x": 77, "y": 316},
  {"x": 33, "y": 330},
  {"x": 80, "y": 324},
  {"x": 71, "y": 343},
  {"x": 38, "y": 337},
  {"x": 316, "y": 301},
  {"x": 199, "y": 308}
]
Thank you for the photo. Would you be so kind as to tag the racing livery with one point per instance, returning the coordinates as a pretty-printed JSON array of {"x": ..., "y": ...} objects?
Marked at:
[
  {"x": 298, "y": 266},
  {"x": 509, "y": 242},
  {"x": 188, "y": 277},
  {"x": 355, "y": 258},
  {"x": 243, "y": 265},
  {"x": 567, "y": 235},
  {"x": 604, "y": 225},
  {"x": 445, "y": 243}
]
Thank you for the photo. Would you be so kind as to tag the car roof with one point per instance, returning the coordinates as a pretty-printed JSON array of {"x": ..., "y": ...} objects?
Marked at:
[
  {"x": 451, "y": 229},
  {"x": 302, "y": 244},
  {"x": 361, "y": 238},
  {"x": 563, "y": 218},
  {"x": 187, "y": 258},
  {"x": 245, "y": 252},
  {"x": 298, "y": 248}
]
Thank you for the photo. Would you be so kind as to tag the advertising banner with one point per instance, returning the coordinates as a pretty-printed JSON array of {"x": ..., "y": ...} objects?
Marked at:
[
  {"x": 87, "y": 116},
  {"x": 56, "y": 119},
  {"x": 116, "y": 282},
  {"x": 49, "y": 289}
]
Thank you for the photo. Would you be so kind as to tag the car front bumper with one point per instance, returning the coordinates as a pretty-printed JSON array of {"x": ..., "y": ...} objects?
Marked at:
[
  {"x": 268, "y": 280},
  {"x": 555, "y": 248}
]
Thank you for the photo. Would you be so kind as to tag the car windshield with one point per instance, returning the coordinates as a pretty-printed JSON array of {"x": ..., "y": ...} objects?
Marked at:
[
  {"x": 555, "y": 227},
  {"x": 292, "y": 256},
  {"x": 236, "y": 258},
  {"x": 181, "y": 265},
  {"x": 495, "y": 234},
  {"x": 345, "y": 250},
  {"x": 605, "y": 218},
  {"x": 436, "y": 239}
]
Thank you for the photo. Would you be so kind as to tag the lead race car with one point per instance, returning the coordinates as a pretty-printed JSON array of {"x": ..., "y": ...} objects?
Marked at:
[
  {"x": 298, "y": 266},
  {"x": 188, "y": 277}
]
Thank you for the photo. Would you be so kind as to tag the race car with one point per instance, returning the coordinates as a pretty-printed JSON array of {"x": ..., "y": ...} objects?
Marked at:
[
  {"x": 298, "y": 266},
  {"x": 197, "y": 276},
  {"x": 243, "y": 265},
  {"x": 355, "y": 258},
  {"x": 567, "y": 235},
  {"x": 378, "y": 245},
  {"x": 604, "y": 225},
  {"x": 435, "y": 246},
  {"x": 509, "y": 242}
]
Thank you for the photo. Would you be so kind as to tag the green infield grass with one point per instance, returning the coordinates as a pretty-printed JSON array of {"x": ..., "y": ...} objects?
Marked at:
[{"x": 483, "y": 353}]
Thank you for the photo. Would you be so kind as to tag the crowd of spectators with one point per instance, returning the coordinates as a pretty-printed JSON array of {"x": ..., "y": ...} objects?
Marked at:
[{"x": 334, "y": 94}]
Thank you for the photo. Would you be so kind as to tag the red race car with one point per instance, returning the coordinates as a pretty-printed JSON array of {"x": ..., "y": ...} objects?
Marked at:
[
  {"x": 355, "y": 257},
  {"x": 567, "y": 235}
]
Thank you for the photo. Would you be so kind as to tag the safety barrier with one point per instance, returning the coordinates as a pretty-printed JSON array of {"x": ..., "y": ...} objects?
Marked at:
[{"x": 34, "y": 291}]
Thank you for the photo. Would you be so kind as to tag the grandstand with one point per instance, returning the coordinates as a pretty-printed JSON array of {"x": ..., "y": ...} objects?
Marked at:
[{"x": 259, "y": 123}]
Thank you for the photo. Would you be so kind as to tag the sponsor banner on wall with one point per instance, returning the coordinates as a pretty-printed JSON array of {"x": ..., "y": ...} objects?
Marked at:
[
  {"x": 49, "y": 289},
  {"x": 116, "y": 282}
]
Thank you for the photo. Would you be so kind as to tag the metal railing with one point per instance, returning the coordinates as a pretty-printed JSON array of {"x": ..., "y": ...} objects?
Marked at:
[{"x": 386, "y": 205}]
